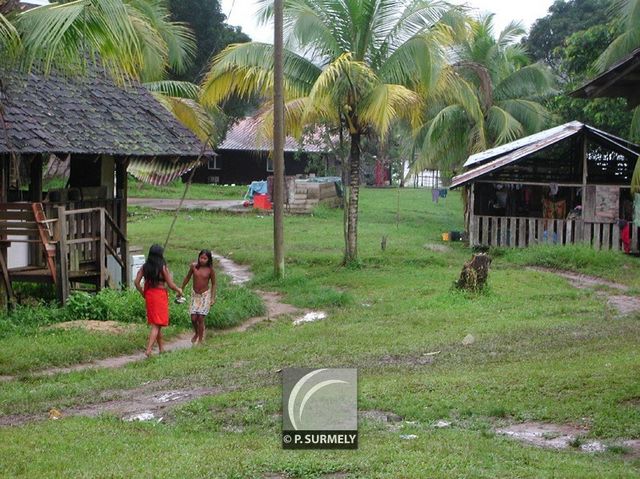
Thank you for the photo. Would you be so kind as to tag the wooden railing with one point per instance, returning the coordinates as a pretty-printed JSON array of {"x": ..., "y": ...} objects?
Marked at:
[
  {"x": 520, "y": 232},
  {"x": 86, "y": 238}
]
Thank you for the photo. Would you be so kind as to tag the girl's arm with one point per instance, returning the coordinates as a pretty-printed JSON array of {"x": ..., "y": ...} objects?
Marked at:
[
  {"x": 188, "y": 276},
  {"x": 169, "y": 281},
  {"x": 213, "y": 286},
  {"x": 137, "y": 282}
]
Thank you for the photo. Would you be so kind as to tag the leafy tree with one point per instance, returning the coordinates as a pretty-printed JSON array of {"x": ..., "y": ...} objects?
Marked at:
[
  {"x": 576, "y": 61},
  {"x": 564, "y": 18},
  {"x": 211, "y": 31},
  {"x": 363, "y": 64},
  {"x": 501, "y": 100}
]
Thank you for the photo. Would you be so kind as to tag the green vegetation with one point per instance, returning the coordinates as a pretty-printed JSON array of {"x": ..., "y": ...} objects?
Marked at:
[
  {"x": 543, "y": 351},
  {"x": 29, "y": 342},
  {"x": 196, "y": 191}
]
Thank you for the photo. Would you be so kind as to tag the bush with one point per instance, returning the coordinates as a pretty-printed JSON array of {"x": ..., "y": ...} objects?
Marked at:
[{"x": 234, "y": 304}]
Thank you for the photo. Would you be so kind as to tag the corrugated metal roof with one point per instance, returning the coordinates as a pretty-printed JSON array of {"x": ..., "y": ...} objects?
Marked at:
[
  {"x": 566, "y": 129},
  {"x": 501, "y": 156},
  {"x": 246, "y": 135}
]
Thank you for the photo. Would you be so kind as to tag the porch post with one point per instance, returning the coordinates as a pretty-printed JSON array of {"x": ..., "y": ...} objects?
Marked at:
[
  {"x": 580, "y": 230},
  {"x": 62, "y": 272},
  {"x": 122, "y": 185},
  {"x": 472, "y": 216}
]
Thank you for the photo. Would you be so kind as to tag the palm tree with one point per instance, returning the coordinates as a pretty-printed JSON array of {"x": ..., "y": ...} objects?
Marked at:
[
  {"x": 357, "y": 64},
  {"x": 498, "y": 102}
]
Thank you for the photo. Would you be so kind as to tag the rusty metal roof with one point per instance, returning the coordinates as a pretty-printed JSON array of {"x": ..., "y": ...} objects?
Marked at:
[
  {"x": 621, "y": 80},
  {"x": 246, "y": 135},
  {"x": 496, "y": 158}
]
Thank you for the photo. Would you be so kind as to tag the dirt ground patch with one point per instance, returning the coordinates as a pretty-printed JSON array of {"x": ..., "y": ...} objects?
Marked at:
[
  {"x": 111, "y": 327},
  {"x": 624, "y": 304},
  {"x": 411, "y": 360},
  {"x": 560, "y": 437},
  {"x": 148, "y": 402}
]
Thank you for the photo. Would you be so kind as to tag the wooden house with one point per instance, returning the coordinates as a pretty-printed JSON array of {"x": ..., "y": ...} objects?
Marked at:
[
  {"x": 76, "y": 234},
  {"x": 245, "y": 156},
  {"x": 568, "y": 184}
]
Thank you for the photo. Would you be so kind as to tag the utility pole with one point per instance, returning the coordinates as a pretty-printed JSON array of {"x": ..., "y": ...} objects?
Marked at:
[{"x": 278, "y": 140}]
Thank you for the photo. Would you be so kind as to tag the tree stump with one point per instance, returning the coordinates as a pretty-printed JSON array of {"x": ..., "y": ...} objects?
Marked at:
[{"x": 475, "y": 273}]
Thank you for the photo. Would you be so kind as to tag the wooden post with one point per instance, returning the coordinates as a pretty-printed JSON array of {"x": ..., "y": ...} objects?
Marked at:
[
  {"x": 278, "y": 140},
  {"x": 102, "y": 250},
  {"x": 472, "y": 216},
  {"x": 7, "y": 281},
  {"x": 122, "y": 195},
  {"x": 35, "y": 196},
  {"x": 62, "y": 283}
]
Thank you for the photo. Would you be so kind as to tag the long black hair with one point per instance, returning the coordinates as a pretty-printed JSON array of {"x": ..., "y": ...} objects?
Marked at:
[
  {"x": 209, "y": 258},
  {"x": 152, "y": 268}
]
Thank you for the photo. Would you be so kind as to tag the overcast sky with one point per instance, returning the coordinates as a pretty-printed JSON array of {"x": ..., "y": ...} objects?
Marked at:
[{"x": 242, "y": 13}]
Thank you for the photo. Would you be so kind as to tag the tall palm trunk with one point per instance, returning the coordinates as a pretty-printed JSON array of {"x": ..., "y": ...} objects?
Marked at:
[{"x": 351, "y": 253}]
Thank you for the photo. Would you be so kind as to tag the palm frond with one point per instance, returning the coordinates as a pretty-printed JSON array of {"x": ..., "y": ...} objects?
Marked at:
[
  {"x": 531, "y": 115},
  {"x": 177, "y": 38},
  {"x": 502, "y": 126},
  {"x": 528, "y": 82},
  {"x": 386, "y": 103},
  {"x": 60, "y": 35},
  {"x": 246, "y": 69},
  {"x": 9, "y": 37},
  {"x": 174, "y": 88}
]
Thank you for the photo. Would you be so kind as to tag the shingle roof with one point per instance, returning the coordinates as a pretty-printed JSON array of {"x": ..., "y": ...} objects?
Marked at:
[
  {"x": 245, "y": 135},
  {"x": 88, "y": 115}
]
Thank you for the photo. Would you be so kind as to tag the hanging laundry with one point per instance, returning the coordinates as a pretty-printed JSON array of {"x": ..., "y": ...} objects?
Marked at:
[
  {"x": 435, "y": 194},
  {"x": 443, "y": 193}
]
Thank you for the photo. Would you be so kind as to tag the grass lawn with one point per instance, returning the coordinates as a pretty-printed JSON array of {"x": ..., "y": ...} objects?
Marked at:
[
  {"x": 196, "y": 191},
  {"x": 543, "y": 351}
]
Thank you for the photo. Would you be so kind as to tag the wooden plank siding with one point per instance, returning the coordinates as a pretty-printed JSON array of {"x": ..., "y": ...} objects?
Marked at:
[{"x": 520, "y": 232}]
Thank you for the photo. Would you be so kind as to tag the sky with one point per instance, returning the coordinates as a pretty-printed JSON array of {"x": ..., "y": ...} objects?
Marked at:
[{"x": 243, "y": 13}]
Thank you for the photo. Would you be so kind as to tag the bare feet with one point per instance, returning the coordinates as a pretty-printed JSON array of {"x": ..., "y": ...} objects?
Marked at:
[
  {"x": 194, "y": 339},
  {"x": 147, "y": 354}
]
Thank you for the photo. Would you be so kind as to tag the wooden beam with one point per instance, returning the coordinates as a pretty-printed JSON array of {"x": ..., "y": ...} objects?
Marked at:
[{"x": 62, "y": 283}]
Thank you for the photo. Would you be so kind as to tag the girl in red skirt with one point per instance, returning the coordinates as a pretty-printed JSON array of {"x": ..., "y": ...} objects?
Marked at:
[{"x": 156, "y": 279}]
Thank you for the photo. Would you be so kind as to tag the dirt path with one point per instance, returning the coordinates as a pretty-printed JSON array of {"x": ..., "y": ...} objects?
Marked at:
[
  {"x": 623, "y": 303},
  {"x": 172, "y": 204},
  {"x": 239, "y": 274}
]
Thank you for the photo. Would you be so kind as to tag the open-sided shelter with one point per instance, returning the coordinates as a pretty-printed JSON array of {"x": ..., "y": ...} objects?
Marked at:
[{"x": 564, "y": 185}]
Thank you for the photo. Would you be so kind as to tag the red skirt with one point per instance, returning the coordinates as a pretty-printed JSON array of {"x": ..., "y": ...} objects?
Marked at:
[{"x": 157, "y": 302}]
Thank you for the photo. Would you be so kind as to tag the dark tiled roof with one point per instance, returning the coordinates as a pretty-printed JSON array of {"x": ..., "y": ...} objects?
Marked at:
[
  {"x": 245, "y": 135},
  {"x": 88, "y": 115}
]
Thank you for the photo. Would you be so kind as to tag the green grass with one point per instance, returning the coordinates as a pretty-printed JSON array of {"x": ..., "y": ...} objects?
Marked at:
[
  {"x": 543, "y": 351},
  {"x": 196, "y": 191}
]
